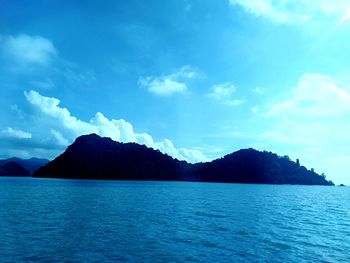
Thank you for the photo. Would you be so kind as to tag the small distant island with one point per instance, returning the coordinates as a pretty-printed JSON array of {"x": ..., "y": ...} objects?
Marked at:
[
  {"x": 95, "y": 157},
  {"x": 20, "y": 167}
]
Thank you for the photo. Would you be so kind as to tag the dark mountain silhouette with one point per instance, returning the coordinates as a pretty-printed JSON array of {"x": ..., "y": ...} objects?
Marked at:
[
  {"x": 13, "y": 169},
  {"x": 31, "y": 164},
  {"x": 252, "y": 166},
  {"x": 91, "y": 156},
  {"x": 94, "y": 157}
]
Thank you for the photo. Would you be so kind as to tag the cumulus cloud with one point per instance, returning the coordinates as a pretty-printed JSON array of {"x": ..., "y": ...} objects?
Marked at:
[
  {"x": 192, "y": 155},
  {"x": 14, "y": 133},
  {"x": 316, "y": 112},
  {"x": 224, "y": 93},
  {"x": 290, "y": 11},
  {"x": 59, "y": 138},
  {"x": 169, "y": 84},
  {"x": 68, "y": 127},
  {"x": 315, "y": 96},
  {"x": 28, "y": 50},
  {"x": 50, "y": 107},
  {"x": 312, "y": 123}
]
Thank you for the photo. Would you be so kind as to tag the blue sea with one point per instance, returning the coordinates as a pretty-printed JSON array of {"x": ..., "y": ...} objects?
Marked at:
[{"x": 52, "y": 220}]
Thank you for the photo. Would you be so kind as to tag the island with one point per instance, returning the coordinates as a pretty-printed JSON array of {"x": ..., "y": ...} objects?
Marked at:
[
  {"x": 20, "y": 167},
  {"x": 95, "y": 157},
  {"x": 13, "y": 169}
]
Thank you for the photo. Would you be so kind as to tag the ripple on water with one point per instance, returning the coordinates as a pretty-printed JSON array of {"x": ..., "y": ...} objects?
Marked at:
[{"x": 79, "y": 221}]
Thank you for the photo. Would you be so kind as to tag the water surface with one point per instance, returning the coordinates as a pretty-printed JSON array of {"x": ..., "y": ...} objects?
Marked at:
[{"x": 46, "y": 220}]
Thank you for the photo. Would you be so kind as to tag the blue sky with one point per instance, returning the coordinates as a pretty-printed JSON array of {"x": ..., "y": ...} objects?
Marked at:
[{"x": 196, "y": 79}]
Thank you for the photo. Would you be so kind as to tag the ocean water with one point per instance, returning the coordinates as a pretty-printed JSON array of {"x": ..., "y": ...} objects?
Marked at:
[{"x": 49, "y": 220}]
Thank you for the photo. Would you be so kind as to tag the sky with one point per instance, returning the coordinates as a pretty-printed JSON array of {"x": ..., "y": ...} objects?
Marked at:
[{"x": 196, "y": 79}]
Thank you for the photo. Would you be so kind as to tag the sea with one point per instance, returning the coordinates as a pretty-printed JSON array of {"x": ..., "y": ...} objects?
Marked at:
[{"x": 56, "y": 220}]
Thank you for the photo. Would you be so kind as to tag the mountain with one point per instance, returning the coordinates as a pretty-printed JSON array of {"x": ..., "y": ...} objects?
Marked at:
[
  {"x": 94, "y": 157},
  {"x": 91, "y": 156},
  {"x": 13, "y": 169},
  {"x": 252, "y": 166},
  {"x": 31, "y": 164}
]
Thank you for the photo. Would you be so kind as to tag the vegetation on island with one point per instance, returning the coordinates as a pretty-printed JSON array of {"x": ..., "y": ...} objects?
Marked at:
[{"x": 94, "y": 157}]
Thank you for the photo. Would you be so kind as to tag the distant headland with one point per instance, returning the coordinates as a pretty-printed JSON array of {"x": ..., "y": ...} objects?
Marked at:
[
  {"x": 20, "y": 167},
  {"x": 95, "y": 157}
]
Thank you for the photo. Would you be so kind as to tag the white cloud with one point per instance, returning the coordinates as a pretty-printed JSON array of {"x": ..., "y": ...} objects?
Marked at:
[
  {"x": 166, "y": 146},
  {"x": 259, "y": 91},
  {"x": 312, "y": 124},
  {"x": 68, "y": 127},
  {"x": 145, "y": 139},
  {"x": 236, "y": 102},
  {"x": 164, "y": 86},
  {"x": 315, "y": 96},
  {"x": 14, "y": 133},
  {"x": 192, "y": 155},
  {"x": 316, "y": 112},
  {"x": 291, "y": 11},
  {"x": 59, "y": 138},
  {"x": 28, "y": 50},
  {"x": 119, "y": 130},
  {"x": 50, "y": 107},
  {"x": 224, "y": 93},
  {"x": 105, "y": 127},
  {"x": 169, "y": 84}
]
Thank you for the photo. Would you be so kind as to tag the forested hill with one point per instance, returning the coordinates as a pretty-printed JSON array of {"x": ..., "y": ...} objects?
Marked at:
[
  {"x": 252, "y": 166},
  {"x": 94, "y": 157}
]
